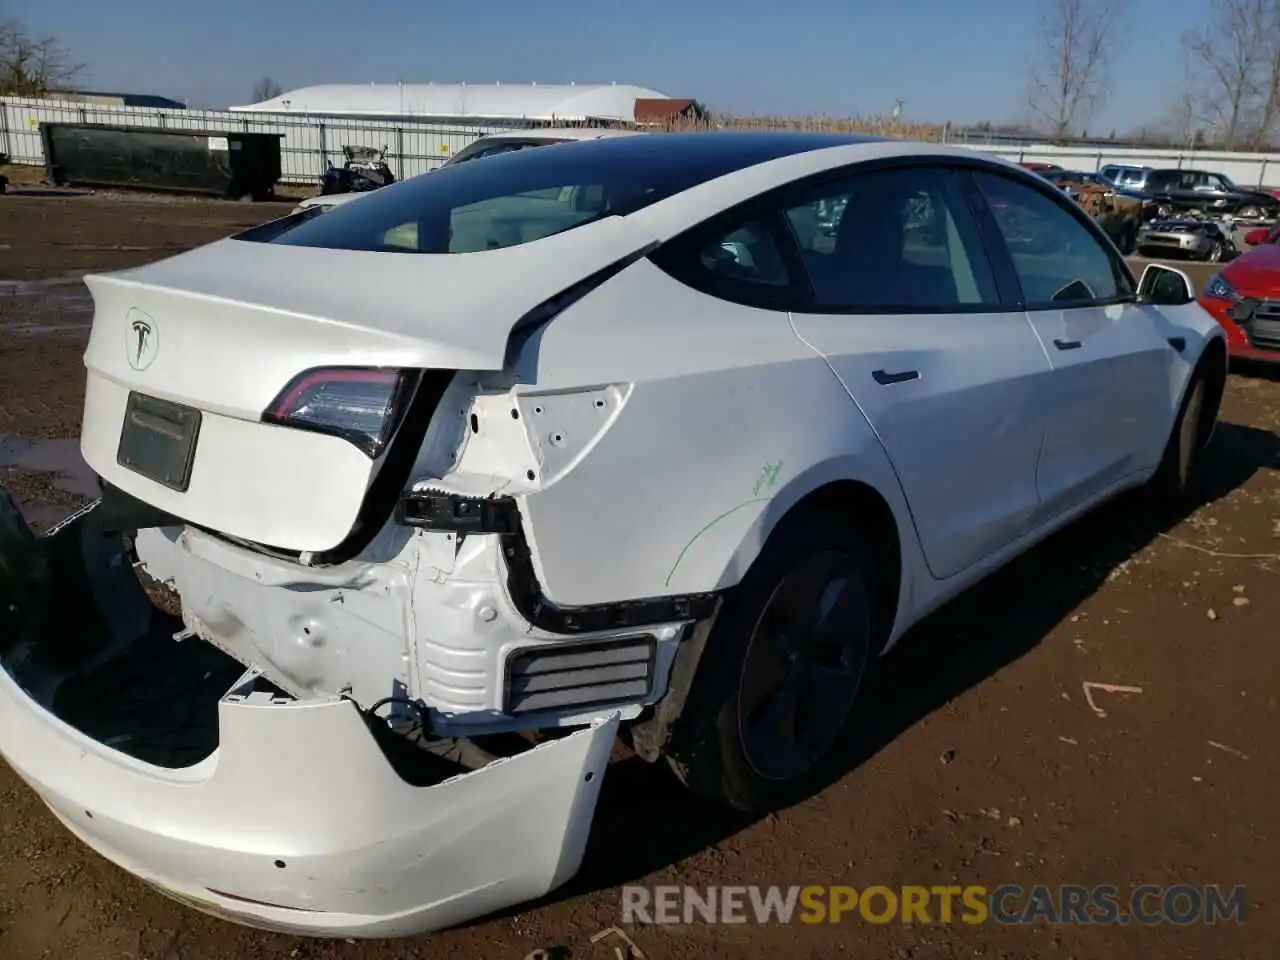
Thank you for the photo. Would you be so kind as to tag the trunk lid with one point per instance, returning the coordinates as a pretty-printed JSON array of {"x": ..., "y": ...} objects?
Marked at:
[{"x": 224, "y": 328}]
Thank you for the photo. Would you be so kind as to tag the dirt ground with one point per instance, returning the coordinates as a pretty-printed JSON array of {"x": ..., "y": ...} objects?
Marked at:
[{"x": 979, "y": 759}]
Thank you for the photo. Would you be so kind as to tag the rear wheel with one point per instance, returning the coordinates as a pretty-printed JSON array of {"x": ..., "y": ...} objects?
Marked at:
[
  {"x": 783, "y": 664},
  {"x": 1250, "y": 212},
  {"x": 1215, "y": 253}
]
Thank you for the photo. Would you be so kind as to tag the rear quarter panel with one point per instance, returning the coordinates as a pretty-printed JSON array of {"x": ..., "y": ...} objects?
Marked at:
[{"x": 729, "y": 420}]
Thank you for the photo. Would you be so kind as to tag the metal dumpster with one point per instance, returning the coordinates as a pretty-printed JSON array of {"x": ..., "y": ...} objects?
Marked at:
[{"x": 220, "y": 163}]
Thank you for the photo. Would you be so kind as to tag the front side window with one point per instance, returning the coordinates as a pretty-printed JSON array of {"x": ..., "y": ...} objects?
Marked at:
[
  {"x": 1057, "y": 259},
  {"x": 897, "y": 240}
]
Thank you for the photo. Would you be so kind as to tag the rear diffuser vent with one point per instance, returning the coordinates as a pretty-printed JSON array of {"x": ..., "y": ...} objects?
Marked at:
[{"x": 562, "y": 676}]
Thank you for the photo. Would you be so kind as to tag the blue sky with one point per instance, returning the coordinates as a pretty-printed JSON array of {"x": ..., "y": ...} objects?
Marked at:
[{"x": 957, "y": 59}]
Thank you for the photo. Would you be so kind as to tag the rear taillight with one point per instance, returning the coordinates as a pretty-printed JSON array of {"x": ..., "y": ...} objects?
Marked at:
[{"x": 361, "y": 404}]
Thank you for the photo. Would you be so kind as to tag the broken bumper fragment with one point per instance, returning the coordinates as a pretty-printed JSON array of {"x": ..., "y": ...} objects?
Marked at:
[{"x": 296, "y": 820}]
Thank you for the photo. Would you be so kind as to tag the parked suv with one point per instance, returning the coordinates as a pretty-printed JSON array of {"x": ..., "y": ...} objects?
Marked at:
[{"x": 1170, "y": 191}]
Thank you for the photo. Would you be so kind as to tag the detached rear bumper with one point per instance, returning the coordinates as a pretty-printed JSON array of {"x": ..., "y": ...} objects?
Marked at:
[{"x": 298, "y": 823}]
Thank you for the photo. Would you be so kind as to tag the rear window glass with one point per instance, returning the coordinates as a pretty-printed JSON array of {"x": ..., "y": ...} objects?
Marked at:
[{"x": 522, "y": 196}]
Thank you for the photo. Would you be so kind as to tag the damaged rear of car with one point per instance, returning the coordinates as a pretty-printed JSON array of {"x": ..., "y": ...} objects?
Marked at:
[
  {"x": 225, "y": 792},
  {"x": 318, "y": 451},
  {"x": 339, "y": 442}
]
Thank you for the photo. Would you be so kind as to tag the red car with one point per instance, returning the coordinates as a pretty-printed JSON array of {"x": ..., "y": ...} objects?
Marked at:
[{"x": 1245, "y": 297}]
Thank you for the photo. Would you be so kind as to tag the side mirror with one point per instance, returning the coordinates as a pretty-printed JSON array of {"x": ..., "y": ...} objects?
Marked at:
[
  {"x": 1165, "y": 286},
  {"x": 1255, "y": 238}
]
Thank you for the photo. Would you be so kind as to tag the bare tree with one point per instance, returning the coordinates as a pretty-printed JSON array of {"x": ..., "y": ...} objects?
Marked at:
[
  {"x": 32, "y": 66},
  {"x": 1183, "y": 121},
  {"x": 266, "y": 89},
  {"x": 1229, "y": 60},
  {"x": 1271, "y": 92},
  {"x": 1068, "y": 77}
]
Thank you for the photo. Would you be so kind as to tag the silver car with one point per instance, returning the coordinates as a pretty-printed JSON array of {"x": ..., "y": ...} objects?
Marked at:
[{"x": 1208, "y": 240}]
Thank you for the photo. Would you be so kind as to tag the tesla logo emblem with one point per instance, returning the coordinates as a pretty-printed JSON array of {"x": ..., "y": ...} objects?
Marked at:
[{"x": 141, "y": 339}]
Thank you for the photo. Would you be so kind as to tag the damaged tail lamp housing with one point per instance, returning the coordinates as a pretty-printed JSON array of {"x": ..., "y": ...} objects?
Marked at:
[{"x": 362, "y": 405}]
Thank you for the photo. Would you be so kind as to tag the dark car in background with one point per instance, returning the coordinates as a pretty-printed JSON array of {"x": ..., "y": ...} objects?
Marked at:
[{"x": 1166, "y": 192}]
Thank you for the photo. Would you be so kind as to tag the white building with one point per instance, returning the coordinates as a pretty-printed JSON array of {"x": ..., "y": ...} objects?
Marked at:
[{"x": 543, "y": 103}]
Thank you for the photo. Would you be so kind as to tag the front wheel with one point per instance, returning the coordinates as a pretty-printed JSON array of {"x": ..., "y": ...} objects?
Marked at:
[
  {"x": 1175, "y": 476},
  {"x": 776, "y": 684},
  {"x": 1249, "y": 213}
]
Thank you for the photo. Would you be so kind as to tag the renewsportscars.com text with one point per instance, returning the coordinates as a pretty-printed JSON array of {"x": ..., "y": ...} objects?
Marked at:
[{"x": 1148, "y": 905}]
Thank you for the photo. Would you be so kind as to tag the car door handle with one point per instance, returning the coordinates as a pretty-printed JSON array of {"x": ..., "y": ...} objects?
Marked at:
[
  {"x": 884, "y": 378},
  {"x": 1178, "y": 343},
  {"x": 1067, "y": 344}
]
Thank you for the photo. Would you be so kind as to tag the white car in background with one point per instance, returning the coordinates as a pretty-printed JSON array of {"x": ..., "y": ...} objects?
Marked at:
[
  {"x": 492, "y": 145},
  {"x": 612, "y": 437}
]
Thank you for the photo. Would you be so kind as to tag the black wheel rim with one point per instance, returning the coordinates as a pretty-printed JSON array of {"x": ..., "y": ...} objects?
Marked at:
[{"x": 803, "y": 666}]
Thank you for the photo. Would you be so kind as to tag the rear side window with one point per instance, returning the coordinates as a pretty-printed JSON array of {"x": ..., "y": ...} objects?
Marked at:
[
  {"x": 1058, "y": 261},
  {"x": 737, "y": 258}
]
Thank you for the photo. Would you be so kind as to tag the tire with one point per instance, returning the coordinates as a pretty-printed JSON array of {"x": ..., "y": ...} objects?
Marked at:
[
  {"x": 1129, "y": 240},
  {"x": 1174, "y": 479},
  {"x": 1250, "y": 212},
  {"x": 724, "y": 746},
  {"x": 1215, "y": 253}
]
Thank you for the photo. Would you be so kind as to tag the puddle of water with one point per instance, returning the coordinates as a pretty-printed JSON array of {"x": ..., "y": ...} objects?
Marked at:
[
  {"x": 38, "y": 287},
  {"x": 36, "y": 306},
  {"x": 59, "y": 457}
]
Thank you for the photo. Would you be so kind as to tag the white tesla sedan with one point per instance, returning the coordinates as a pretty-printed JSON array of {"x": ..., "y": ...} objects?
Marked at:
[{"x": 619, "y": 436}]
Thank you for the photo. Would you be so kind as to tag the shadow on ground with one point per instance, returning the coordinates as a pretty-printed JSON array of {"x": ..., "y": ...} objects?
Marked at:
[
  {"x": 12, "y": 191},
  {"x": 1256, "y": 370},
  {"x": 647, "y": 821}
]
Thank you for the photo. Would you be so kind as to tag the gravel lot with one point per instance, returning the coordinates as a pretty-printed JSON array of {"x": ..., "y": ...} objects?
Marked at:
[{"x": 980, "y": 760}]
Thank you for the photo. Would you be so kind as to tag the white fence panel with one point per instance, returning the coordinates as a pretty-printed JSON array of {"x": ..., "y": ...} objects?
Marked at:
[{"x": 310, "y": 144}]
